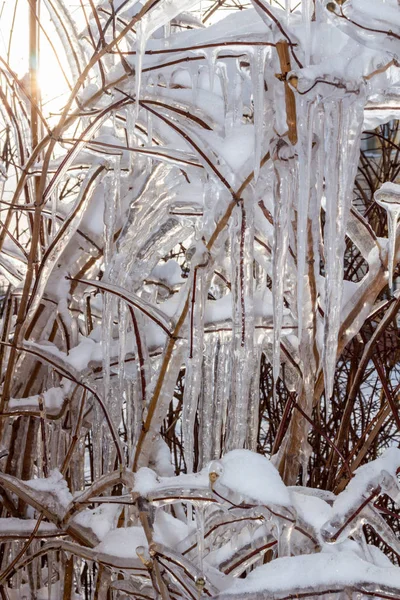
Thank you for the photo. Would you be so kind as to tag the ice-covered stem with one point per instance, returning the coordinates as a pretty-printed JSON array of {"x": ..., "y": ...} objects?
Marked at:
[
  {"x": 242, "y": 243},
  {"x": 295, "y": 445},
  {"x": 194, "y": 361},
  {"x": 285, "y": 173},
  {"x": 332, "y": 532},
  {"x": 268, "y": 15},
  {"x": 282, "y": 48},
  {"x": 337, "y": 9},
  {"x": 388, "y": 197},
  {"x": 294, "y": 442},
  {"x": 42, "y": 411},
  {"x": 9, "y": 569}
]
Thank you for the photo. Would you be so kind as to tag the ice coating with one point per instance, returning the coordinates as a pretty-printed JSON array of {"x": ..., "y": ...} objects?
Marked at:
[
  {"x": 388, "y": 196},
  {"x": 202, "y": 238}
]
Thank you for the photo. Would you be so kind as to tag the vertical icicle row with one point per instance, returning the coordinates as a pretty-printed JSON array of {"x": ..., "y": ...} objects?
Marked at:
[{"x": 343, "y": 123}]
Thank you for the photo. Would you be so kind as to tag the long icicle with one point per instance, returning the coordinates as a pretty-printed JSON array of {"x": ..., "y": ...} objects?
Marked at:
[{"x": 343, "y": 123}]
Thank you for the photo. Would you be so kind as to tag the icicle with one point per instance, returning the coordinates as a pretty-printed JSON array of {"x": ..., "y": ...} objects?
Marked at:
[
  {"x": 284, "y": 540},
  {"x": 109, "y": 217},
  {"x": 211, "y": 57},
  {"x": 242, "y": 246},
  {"x": 254, "y": 401},
  {"x": 166, "y": 394},
  {"x": 343, "y": 123},
  {"x": 110, "y": 201},
  {"x": 159, "y": 16},
  {"x": 222, "y": 387},
  {"x": 199, "y": 514},
  {"x": 195, "y": 82},
  {"x": 140, "y": 50},
  {"x": 167, "y": 30},
  {"x": 257, "y": 76},
  {"x": 117, "y": 185},
  {"x": 388, "y": 196},
  {"x": 149, "y": 128},
  {"x": 234, "y": 103},
  {"x": 288, "y": 5},
  {"x": 130, "y": 133},
  {"x": 54, "y": 206},
  {"x": 307, "y": 7},
  {"x": 198, "y": 295},
  {"x": 285, "y": 174},
  {"x": 122, "y": 330},
  {"x": 211, "y": 350},
  {"x": 304, "y": 151},
  {"x": 211, "y": 201},
  {"x": 50, "y": 561}
]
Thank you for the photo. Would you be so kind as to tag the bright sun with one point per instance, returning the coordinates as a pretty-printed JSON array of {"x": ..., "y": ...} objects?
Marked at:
[{"x": 14, "y": 48}]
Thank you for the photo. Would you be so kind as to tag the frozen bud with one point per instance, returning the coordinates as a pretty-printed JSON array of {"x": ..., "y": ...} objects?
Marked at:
[
  {"x": 340, "y": 2},
  {"x": 200, "y": 583},
  {"x": 372, "y": 488},
  {"x": 215, "y": 470},
  {"x": 329, "y": 531},
  {"x": 294, "y": 81},
  {"x": 198, "y": 254},
  {"x": 388, "y": 195},
  {"x": 390, "y": 485},
  {"x": 144, "y": 557},
  {"x": 331, "y": 6},
  {"x": 153, "y": 549}
]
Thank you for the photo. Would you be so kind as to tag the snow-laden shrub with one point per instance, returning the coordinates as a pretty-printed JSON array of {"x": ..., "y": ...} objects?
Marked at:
[{"x": 185, "y": 217}]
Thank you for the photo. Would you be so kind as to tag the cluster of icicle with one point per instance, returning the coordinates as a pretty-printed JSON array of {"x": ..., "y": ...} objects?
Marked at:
[
  {"x": 242, "y": 144},
  {"x": 232, "y": 529},
  {"x": 238, "y": 141}
]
